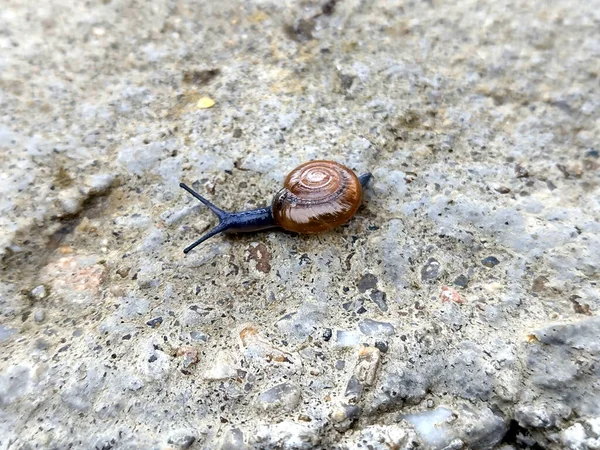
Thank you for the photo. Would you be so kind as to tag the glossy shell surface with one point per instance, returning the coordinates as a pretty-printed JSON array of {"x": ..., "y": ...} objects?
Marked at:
[{"x": 317, "y": 196}]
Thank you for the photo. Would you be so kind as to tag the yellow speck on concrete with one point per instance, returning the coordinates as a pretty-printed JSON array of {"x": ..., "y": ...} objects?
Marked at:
[{"x": 205, "y": 102}]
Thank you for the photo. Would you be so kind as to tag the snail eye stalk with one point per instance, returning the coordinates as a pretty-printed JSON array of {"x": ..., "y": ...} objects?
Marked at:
[
  {"x": 218, "y": 211},
  {"x": 222, "y": 215},
  {"x": 364, "y": 179}
]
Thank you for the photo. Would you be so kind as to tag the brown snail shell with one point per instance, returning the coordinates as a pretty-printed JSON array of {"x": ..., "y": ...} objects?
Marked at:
[{"x": 317, "y": 196}]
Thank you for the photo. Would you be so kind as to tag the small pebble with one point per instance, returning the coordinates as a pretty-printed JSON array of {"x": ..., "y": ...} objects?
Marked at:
[
  {"x": 379, "y": 298},
  {"x": 382, "y": 346},
  {"x": 490, "y": 261},
  {"x": 38, "y": 292},
  {"x": 370, "y": 327},
  {"x": 199, "y": 336},
  {"x": 233, "y": 439},
  {"x": 431, "y": 270},
  {"x": 182, "y": 442},
  {"x": 347, "y": 338},
  {"x": 366, "y": 367},
  {"x": 189, "y": 354},
  {"x": 368, "y": 281},
  {"x": 344, "y": 412},
  {"x": 155, "y": 323},
  {"x": 354, "y": 389},
  {"x": 450, "y": 294},
  {"x": 39, "y": 315},
  {"x": 284, "y": 396},
  {"x": 461, "y": 281},
  {"x": 6, "y": 332}
]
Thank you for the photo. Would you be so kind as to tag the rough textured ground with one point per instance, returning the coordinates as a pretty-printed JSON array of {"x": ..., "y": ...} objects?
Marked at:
[{"x": 459, "y": 309}]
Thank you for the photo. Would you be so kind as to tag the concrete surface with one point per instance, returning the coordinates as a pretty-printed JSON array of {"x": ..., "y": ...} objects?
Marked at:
[{"x": 459, "y": 309}]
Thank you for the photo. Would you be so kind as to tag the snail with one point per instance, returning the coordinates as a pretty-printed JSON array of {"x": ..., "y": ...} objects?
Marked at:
[{"x": 317, "y": 196}]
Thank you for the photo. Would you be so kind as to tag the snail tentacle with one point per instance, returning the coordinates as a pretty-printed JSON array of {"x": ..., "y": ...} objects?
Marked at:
[
  {"x": 218, "y": 211},
  {"x": 364, "y": 179},
  {"x": 236, "y": 222},
  {"x": 216, "y": 230}
]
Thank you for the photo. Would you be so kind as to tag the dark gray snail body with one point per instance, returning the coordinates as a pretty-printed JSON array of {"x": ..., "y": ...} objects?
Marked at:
[{"x": 317, "y": 196}]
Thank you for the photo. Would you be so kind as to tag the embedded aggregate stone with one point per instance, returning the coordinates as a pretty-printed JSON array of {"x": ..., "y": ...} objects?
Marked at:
[
  {"x": 431, "y": 269},
  {"x": 39, "y": 315},
  {"x": 39, "y": 292},
  {"x": 285, "y": 396},
  {"x": 490, "y": 261},
  {"x": 458, "y": 308},
  {"x": 372, "y": 327}
]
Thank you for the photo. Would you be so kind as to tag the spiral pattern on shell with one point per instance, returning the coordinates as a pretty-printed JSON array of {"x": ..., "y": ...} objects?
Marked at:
[{"x": 317, "y": 196}]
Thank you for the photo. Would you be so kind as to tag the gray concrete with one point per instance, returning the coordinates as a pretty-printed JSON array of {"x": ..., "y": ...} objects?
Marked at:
[{"x": 458, "y": 309}]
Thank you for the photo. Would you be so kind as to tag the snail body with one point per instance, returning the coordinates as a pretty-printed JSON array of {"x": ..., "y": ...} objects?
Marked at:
[{"x": 316, "y": 196}]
